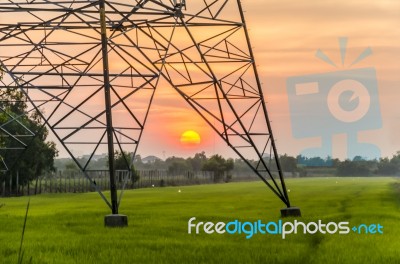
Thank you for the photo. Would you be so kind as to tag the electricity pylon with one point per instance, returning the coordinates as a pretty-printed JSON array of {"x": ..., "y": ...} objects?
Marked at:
[{"x": 90, "y": 68}]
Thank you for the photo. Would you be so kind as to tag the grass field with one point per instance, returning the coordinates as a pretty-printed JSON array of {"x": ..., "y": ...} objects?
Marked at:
[{"x": 68, "y": 228}]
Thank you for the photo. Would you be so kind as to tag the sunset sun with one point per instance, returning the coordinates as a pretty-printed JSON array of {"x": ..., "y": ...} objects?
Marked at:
[{"x": 190, "y": 138}]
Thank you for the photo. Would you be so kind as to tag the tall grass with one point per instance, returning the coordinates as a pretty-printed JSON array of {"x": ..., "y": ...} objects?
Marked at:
[{"x": 69, "y": 228}]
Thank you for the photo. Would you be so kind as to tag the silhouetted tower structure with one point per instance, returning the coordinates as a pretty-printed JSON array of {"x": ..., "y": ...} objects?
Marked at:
[{"x": 90, "y": 69}]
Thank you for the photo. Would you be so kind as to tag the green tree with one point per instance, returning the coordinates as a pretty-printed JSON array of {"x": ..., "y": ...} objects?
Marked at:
[
  {"x": 219, "y": 166},
  {"x": 354, "y": 167},
  {"x": 197, "y": 161},
  {"x": 288, "y": 163},
  {"x": 123, "y": 161},
  {"x": 39, "y": 156},
  {"x": 177, "y": 165},
  {"x": 71, "y": 166},
  {"x": 388, "y": 166}
]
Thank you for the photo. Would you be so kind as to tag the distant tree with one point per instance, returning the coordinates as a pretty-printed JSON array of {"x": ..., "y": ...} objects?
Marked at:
[
  {"x": 197, "y": 161},
  {"x": 99, "y": 164},
  {"x": 159, "y": 164},
  {"x": 358, "y": 158},
  {"x": 219, "y": 166},
  {"x": 388, "y": 166},
  {"x": 71, "y": 166},
  {"x": 385, "y": 167},
  {"x": 354, "y": 168},
  {"x": 242, "y": 168},
  {"x": 138, "y": 159},
  {"x": 396, "y": 160},
  {"x": 123, "y": 162},
  {"x": 314, "y": 161},
  {"x": 177, "y": 165},
  {"x": 288, "y": 164},
  {"x": 138, "y": 163},
  {"x": 335, "y": 162}
]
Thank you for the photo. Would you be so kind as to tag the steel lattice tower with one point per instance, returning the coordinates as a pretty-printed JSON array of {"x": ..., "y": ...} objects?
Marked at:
[{"x": 68, "y": 56}]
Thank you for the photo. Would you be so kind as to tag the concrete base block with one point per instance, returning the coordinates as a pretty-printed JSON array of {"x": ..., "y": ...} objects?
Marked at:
[
  {"x": 116, "y": 220},
  {"x": 290, "y": 212}
]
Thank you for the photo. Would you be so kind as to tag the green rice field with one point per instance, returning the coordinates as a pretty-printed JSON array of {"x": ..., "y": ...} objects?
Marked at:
[{"x": 69, "y": 228}]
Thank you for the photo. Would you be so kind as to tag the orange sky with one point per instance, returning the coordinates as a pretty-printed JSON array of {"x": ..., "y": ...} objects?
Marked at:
[{"x": 285, "y": 35}]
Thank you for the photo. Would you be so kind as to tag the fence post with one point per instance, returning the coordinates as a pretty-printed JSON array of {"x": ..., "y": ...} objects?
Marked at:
[
  {"x": 84, "y": 183},
  {"x": 69, "y": 182},
  {"x": 17, "y": 181},
  {"x": 37, "y": 179},
  {"x": 10, "y": 183},
  {"x": 107, "y": 184},
  {"x": 45, "y": 185}
]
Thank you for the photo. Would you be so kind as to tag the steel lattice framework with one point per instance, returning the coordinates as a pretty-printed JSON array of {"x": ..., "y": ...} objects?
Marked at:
[{"x": 91, "y": 68}]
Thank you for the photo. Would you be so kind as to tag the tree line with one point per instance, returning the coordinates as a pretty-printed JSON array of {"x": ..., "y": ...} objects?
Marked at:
[
  {"x": 358, "y": 166},
  {"x": 297, "y": 166},
  {"x": 173, "y": 165}
]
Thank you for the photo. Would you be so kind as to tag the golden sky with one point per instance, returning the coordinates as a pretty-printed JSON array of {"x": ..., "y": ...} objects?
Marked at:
[{"x": 285, "y": 36}]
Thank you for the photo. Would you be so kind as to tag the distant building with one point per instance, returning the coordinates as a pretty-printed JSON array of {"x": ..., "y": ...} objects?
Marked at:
[
  {"x": 95, "y": 157},
  {"x": 150, "y": 159}
]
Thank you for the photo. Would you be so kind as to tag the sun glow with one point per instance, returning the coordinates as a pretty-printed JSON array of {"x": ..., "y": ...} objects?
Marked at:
[{"x": 190, "y": 138}]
